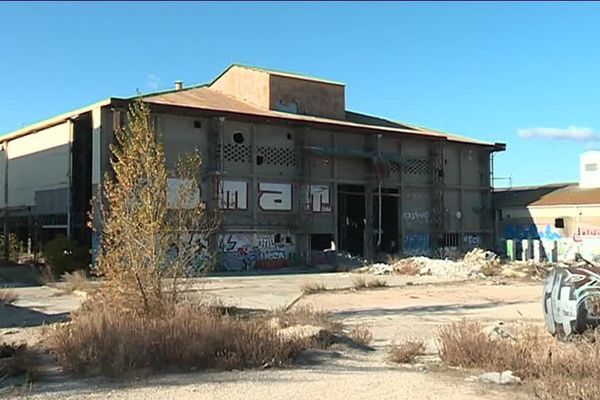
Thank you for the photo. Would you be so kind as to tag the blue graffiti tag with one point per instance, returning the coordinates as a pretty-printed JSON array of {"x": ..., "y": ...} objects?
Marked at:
[{"x": 519, "y": 232}]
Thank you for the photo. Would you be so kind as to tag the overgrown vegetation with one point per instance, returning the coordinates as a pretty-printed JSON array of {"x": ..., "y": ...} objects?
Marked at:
[
  {"x": 8, "y": 296},
  {"x": 305, "y": 315},
  {"x": 17, "y": 360},
  {"x": 407, "y": 351},
  {"x": 63, "y": 256},
  {"x": 361, "y": 335},
  {"x": 15, "y": 247},
  {"x": 565, "y": 371},
  {"x": 151, "y": 241},
  {"x": 313, "y": 287},
  {"x": 361, "y": 283},
  {"x": 191, "y": 336},
  {"x": 77, "y": 281}
]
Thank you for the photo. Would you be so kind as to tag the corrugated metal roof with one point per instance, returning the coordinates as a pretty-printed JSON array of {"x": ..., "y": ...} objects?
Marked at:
[
  {"x": 560, "y": 194},
  {"x": 208, "y": 99}
]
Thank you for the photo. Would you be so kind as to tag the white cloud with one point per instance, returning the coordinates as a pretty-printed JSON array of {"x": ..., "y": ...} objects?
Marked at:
[
  {"x": 153, "y": 81},
  {"x": 574, "y": 133}
]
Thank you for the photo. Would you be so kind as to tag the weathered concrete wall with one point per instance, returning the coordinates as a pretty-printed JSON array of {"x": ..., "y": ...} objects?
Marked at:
[
  {"x": 244, "y": 84},
  {"x": 37, "y": 162},
  {"x": 309, "y": 97},
  {"x": 580, "y": 230}
]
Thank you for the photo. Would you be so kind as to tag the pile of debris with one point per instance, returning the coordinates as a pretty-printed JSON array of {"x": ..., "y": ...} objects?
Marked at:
[{"x": 477, "y": 263}]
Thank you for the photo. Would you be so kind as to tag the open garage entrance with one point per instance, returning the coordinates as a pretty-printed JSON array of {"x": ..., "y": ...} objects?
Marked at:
[{"x": 351, "y": 219}]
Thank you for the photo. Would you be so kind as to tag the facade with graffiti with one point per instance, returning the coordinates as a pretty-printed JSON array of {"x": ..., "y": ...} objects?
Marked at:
[
  {"x": 554, "y": 222},
  {"x": 295, "y": 178}
]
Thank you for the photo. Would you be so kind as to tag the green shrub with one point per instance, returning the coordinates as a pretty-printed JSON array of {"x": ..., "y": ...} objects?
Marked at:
[
  {"x": 64, "y": 256},
  {"x": 14, "y": 247}
]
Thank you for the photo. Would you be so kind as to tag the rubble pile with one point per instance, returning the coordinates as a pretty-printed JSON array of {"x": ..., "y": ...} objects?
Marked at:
[{"x": 477, "y": 263}]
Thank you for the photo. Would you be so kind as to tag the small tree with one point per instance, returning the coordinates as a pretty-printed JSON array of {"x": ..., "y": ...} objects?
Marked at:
[{"x": 149, "y": 235}]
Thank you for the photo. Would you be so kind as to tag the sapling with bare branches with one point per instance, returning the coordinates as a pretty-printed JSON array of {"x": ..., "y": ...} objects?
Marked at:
[{"x": 153, "y": 225}]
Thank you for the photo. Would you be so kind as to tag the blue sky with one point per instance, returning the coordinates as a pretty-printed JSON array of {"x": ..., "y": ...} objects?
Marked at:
[{"x": 526, "y": 74}]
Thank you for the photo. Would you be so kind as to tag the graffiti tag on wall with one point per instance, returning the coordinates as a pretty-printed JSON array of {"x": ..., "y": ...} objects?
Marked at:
[
  {"x": 242, "y": 251},
  {"x": 471, "y": 241},
  {"x": 275, "y": 196},
  {"x": 519, "y": 232},
  {"x": 416, "y": 217},
  {"x": 318, "y": 199},
  {"x": 416, "y": 243}
]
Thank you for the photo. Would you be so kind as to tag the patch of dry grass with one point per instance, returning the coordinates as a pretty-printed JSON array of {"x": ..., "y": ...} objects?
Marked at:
[
  {"x": 361, "y": 335},
  {"x": 361, "y": 283},
  {"x": 76, "y": 281},
  {"x": 407, "y": 351},
  {"x": 406, "y": 266},
  {"x": 115, "y": 342},
  {"x": 306, "y": 315},
  {"x": 465, "y": 344},
  {"x": 313, "y": 287},
  {"x": 17, "y": 360},
  {"x": 8, "y": 296},
  {"x": 556, "y": 370}
]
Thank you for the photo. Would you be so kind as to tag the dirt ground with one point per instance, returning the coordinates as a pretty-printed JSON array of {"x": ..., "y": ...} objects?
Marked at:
[{"x": 409, "y": 308}]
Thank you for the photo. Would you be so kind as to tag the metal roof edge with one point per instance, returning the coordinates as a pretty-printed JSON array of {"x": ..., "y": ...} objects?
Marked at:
[
  {"x": 52, "y": 121},
  {"x": 419, "y": 128},
  {"x": 276, "y": 72}
]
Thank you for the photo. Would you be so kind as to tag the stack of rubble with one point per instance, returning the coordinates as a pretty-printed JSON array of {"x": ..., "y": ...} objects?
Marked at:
[{"x": 476, "y": 263}]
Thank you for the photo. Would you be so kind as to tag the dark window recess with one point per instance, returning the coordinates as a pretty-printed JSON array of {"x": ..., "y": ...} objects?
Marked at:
[
  {"x": 559, "y": 223},
  {"x": 289, "y": 136},
  {"x": 238, "y": 137},
  {"x": 198, "y": 124},
  {"x": 259, "y": 160},
  {"x": 450, "y": 240}
]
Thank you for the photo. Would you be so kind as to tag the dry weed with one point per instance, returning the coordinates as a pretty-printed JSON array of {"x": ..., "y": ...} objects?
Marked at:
[
  {"x": 407, "y": 351},
  {"x": 406, "y": 266},
  {"x": 361, "y": 335},
  {"x": 16, "y": 360},
  {"x": 313, "y": 287},
  {"x": 306, "y": 315},
  {"x": 464, "y": 344},
  {"x": 114, "y": 342},
  {"x": 76, "y": 280},
  {"x": 361, "y": 283},
  {"x": 8, "y": 296}
]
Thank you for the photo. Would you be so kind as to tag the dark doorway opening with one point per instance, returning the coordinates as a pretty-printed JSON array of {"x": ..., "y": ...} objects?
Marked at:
[
  {"x": 321, "y": 241},
  {"x": 351, "y": 218},
  {"x": 389, "y": 222},
  {"x": 81, "y": 189}
]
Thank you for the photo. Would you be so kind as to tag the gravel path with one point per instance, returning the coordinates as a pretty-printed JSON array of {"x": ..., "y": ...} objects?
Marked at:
[{"x": 359, "y": 376}]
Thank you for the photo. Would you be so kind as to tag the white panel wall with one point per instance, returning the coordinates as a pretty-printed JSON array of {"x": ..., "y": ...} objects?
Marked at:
[{"x": 39, "y": 161}]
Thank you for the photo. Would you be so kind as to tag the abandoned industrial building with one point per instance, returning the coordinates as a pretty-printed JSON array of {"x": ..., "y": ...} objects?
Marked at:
[
  {"x": 294, "y": 173},
  {"x": 556, "y": 222}
]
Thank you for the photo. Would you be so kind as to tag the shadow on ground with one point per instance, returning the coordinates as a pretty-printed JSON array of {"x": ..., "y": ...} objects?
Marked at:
[
  {"x": 14, "y": 316},
  {"x": 429, "y": 309}
]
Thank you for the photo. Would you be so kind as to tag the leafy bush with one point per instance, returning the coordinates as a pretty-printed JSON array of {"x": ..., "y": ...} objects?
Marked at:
[
  {"x": 14, "y": 247},
  {"x": 64, "y": 256}
]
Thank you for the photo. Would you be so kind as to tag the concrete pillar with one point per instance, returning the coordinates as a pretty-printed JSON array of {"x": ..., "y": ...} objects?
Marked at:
[
  {"x": 536, "y": 251},
  {"x": 510, "y": 249},
  {"x": 525, "y": 249}
]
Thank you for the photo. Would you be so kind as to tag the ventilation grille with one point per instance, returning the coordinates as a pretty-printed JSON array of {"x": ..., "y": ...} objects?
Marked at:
[
  {"x": 281, "y": 156},
  {"x": 236, "y": 152},
  {"x": 395, "y": 167},
  {"x": 416, "y": 167}
]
